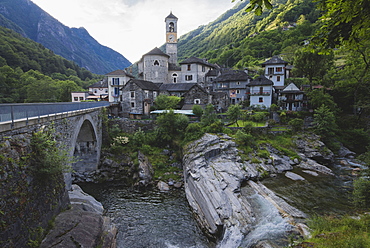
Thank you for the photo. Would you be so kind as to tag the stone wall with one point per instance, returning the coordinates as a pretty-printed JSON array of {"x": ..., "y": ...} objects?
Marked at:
[
  {"x": 131, "y": 126},
  {"x": 26, "y": 204}
]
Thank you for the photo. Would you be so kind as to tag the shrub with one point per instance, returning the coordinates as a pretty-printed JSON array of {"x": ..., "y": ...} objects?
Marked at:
[
  {"x": 193, "y": 132},
  {"x": 296, "y": 124},
  {"x": 361, "y": 192},
  {"x": 245, "y": 139}
]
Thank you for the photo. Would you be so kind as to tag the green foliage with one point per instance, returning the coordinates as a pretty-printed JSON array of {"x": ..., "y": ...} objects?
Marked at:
[
  {"x": 209, "y": 116},
  {"x": 296, "y": 124},
  {"x": 361, "y": 192},
  {"x": 244, "y": 139},
  {"x": 345, "y": 232},
  {"x": 47, "y": 158},
  {"x": 324, "y": 122},
  {"x": 197, "y": 110},
  {"x": 163, "y": 102},
  {"x": 259, "y": 116},
  {"x": 319, "y": 97},
  {"x": 234, "y": 113},
  {"x": 263, "y": 153},
  {"x": 193, "y": 132},
  {"x": 171, "y": 128}
]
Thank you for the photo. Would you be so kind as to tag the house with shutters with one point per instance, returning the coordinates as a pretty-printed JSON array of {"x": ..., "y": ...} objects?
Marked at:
[
  {"x": 291, "y": 98},
  {"x": 261, "y": 91},
  {"x": 194, "y": 70},
  {"x": 116, "y": 80}
]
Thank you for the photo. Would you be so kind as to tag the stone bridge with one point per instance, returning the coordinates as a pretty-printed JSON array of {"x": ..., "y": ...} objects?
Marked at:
[{"x": 78, "y": 126}]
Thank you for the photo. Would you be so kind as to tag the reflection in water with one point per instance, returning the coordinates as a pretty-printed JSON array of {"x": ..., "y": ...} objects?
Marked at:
[{"x": 149, "y": 219}]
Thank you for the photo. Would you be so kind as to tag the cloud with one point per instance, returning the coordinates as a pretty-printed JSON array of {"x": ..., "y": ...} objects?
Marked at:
[{"x": 133, "y": 27}]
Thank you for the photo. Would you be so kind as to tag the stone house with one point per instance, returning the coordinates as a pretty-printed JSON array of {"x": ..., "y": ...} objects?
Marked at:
[
  {"x": 276, "y": 71},
  {"x": 194, "y": 70},
  {"x": 234, "y": 83},
  {"x": 99, "y": 90},
  {"x": 138, "y": 96},
  {"x": 261, "y": 92},
  {"x": 191, "y": 93}
]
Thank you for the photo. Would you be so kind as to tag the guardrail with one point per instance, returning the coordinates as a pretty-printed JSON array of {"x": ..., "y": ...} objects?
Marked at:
[{"x": 26, "y": 111}]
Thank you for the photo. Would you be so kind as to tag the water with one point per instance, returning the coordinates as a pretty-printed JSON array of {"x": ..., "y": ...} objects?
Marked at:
[
  {"x": 149, "y": 219},
  {"x": 321, "y": 195}
]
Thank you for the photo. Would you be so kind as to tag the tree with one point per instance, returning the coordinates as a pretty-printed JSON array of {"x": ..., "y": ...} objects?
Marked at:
[
  {"x": 318, "y": 98},
  {"x": 257, "y": 6},
  {"x": 311, "y": 64},
  {"x": 234, "y": 112},
  {"x": 324, "y": 122},
  {"x": 197, "y": 111},
  {"x": 171, "y": 128},
  {"x": 166, "y": 102},
  {"x": 209, "y": 116}
]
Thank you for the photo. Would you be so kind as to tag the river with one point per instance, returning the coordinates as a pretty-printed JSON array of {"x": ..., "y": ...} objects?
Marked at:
[
  {"x": 164, "y": 220},
  {"x": 149, "y": 219}
]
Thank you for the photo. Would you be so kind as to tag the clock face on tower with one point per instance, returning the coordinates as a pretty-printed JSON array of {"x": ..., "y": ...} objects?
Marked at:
[{"x": 171, "y": 38}]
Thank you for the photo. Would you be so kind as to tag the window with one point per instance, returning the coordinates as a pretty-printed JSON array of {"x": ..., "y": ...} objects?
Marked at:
[
  {"x": 261, "y": 90},
  {"x": 115, "y": 81},
  {"x": 132, "y": 104},
  {"x": 237, "y": 83},
  {"x": 95, "y": 91},
  {"x": 278, "y": 78},
  {"x": 132, "y": 94},
  {"x": 279, "y": 69},
  {"x": 106, "y": 90},
  {"x": 237, "y": 91},
  {"x": 203, "y": 68},
  {"x": 75, "y": 99},
  {"x": 156, "y": 63},
  {"x": 270, "y": 70},
  {"x": 81, "y": 98},
  {"x": 174, "y": 78},
  {"x": 260, "y": 99},
  {"x": 196, "y": 101},
  {"x": 189, "y": 67},
  {"x": 116, "y": 91},
  {"x": 188, "y": 77},
  {"x": 146, "y": 93},
  {"x": 154, "y": 94}
]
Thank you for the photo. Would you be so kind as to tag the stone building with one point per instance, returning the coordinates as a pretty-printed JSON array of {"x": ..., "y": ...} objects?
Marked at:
[
  {"x": 261, "y": 92},
  {"x": 234, "y": 83},
  {"x": 138, "y": 96}
]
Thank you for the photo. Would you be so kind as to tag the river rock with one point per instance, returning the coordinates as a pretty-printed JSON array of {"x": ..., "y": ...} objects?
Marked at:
[
  {"x": 310, "y": 164},
  {"x": 311, "y": 173},
  {"x": 294, "y": 176},
  {"x": 345, "y": 152},
  {"x": 162, "y": 186},
  {"x": 83, "y": 225},
  {"x": 146, "y": 171},
  {"x": 310, "y": 145},
  {"x": 213, "y": 177}
]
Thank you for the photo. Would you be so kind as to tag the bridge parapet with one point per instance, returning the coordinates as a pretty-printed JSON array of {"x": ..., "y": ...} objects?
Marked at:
[{"x": 14, "y": 116}]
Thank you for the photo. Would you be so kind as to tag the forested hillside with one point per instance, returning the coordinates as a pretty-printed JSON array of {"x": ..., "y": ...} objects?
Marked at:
[
  {"x": 240, "y": 39},
  {"x": 74, "y": 44},
  {"x": 31, "y": 73}
]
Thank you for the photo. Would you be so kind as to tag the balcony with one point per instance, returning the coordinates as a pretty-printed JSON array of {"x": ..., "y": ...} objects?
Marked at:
[{"x": 260, "y": 93}]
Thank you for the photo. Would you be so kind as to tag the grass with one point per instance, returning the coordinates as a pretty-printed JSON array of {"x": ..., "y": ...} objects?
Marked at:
[
  {"x": 244, "y": 123},
  {"x": 345, "y": 232}
]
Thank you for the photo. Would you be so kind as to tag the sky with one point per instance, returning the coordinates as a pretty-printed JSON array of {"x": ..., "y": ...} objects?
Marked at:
[{"x": 133, "y": 27}]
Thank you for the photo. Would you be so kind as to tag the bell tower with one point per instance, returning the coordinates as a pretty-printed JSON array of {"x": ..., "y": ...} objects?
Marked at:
[{"x": 171, "y": 38}]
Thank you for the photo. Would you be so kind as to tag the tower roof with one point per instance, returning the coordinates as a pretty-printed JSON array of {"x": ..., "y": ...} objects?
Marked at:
[{"x": 171, "y": 16}]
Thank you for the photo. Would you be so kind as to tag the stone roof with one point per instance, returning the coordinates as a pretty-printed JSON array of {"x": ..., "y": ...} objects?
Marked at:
[
  {"x": 195, "y": 60},
  {"x": 177, "y": 87},
  {"x": 171, "y": 16},
  {"x": 274, "y": 60},
  {"x": 213, "y": 72},
  {"x": 232, "y": 75},
  {"x": 100, "y": 84},
  {"x": 261, "y": 80},
  {"x": 156, "y": 51},
  {"x": 145, "y": 85}
]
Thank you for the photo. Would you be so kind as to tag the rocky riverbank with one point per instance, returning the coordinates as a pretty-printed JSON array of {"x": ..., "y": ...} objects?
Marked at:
[
  {"x": 82, "y": 225},
  {"x": 214, "y": 173}
]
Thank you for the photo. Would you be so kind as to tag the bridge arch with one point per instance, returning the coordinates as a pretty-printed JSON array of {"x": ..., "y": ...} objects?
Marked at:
[{"x": 86, "y": 145}]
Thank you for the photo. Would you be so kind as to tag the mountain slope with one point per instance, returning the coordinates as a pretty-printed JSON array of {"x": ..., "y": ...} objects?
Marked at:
[
  {"x": 238, "y": 38},
  {"x": 74, "y": 44}
]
